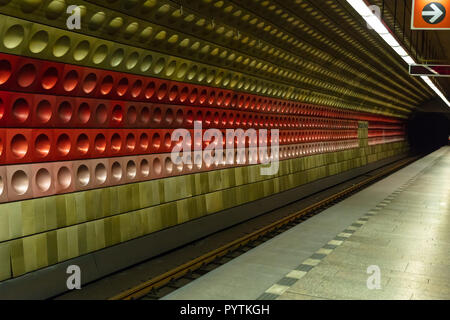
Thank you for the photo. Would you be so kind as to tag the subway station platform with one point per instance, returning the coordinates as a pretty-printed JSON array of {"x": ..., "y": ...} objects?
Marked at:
[{"x": 389, "y": 241}]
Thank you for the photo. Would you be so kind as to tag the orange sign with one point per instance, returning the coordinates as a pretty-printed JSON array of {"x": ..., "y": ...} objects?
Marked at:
[{"x": 431, "y": 14}]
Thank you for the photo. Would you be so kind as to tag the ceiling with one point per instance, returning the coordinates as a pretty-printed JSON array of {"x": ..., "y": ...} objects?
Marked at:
[{"x": 436, "y": 46}]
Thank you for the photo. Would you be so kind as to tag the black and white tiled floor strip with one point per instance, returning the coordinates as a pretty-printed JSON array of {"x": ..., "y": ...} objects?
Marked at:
[{"x": 291, "y": 278}]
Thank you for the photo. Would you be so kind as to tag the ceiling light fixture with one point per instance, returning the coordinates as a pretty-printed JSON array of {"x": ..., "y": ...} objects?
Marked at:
[{"x": 378, "y": 25}]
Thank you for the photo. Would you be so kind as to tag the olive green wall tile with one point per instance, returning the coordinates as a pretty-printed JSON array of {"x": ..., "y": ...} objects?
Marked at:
[
  {"x": 154, "y": 219},
  {"x": 61, "y": 238},
  {"x": 27, "y": 210},
  {"x": 40, "y": 215},
  {"x": 61, "y": 217},
  {"x": 169, "y": 214},
  {"x": 108, "y": 229},
  {"x": 4, "y": 221},
  {"x": 91, "y": 239},
  {"x": 116, "y": 235},
  {"x": 17, "y": 257},
  {"x": 100, "y": 240},
  {"x": 183, "y": 211},
  {"x": 125, "y": 226},
  {"x": 51, "y": 214},
  {"x": 214, "y": 202},
  {"x": 72, "y": 242},
  {"x": 82, "y": 238},
  {"x": 5, "y": 261},
  {"x": 52, "y": 247},
  {"x": 150, "y": 193},
  {"x": 93, "y": 205},
  {"x": 80, "y": 206},
  {"x": 41, "y": 250},
  {"x": 70, "y": 209},
  {"x": 30, "y": 253}
]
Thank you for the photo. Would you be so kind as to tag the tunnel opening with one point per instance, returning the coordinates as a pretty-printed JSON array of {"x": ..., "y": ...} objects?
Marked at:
[{"x": 428, "y": 132}]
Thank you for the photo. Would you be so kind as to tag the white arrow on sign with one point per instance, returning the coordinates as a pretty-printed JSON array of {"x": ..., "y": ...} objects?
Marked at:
[{"x": 437, "y": 13}]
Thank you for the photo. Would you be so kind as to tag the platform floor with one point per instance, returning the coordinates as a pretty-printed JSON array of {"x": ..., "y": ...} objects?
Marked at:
[{"x": 399, "y": 226}]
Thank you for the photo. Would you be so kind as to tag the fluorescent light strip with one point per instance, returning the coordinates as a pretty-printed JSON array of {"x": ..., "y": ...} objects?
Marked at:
[{"x": 372, "y": 20}]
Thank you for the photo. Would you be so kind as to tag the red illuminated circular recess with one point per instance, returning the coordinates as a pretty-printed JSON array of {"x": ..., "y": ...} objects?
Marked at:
[
  {"x": 193, "y": 96},
  {"x": 136, "y": 90},
  {"x": 130, "y": 142},
  {"x": 83, "y": 144},
  {"x": 63, "y": 145},
  {"x": 116, "y": 171},
  {"x": 101, "y": 173},
  {"x": 179, "y": 117},
  {"x": 203, "y": 97},
  {"x": 156, "y": 141},
  {"x": 162, "y": 91},
  {"x": 199, "y": 117},
  {"x": 1, "y": 147},
  {"x": 208, "y": 118},
  {"x": 150, "y": 90},
  {"x": 168, "y": 140},
  {"x": 50, "y": 78},
  {"x": 143, "y": 142},
  {"x": 2, "y": 108},
  {"x": 132, "y": 115},
  {"x": 5, "y": 71},
  {"x": 145, "y": 115},
  {"x": 65, "y": 112},
  {"x": 84, "y": 113},
  {"x": 70, "y": 81},
  {"x": 173, "y": 93},
  {"x": 131, "y": 169},
  {"x": 223, "y": 120},
  {"x": 42, "y": 145},
  {"x": 238, "y": 120},
  {"x": 184, "y": 94},
  {"x": 122, "y": 87},
  {"x": 157, "y": 115},
  {"x": 157, "y": 166},
  {"x": 219, "y": 99},
  {"x": 21, "y": 110},
  {"x": 116, "y": 143},
  {"x": 107, "y": 85},
  {"x": 190, "y": 117},
  {"x": 64, "y": 177},
  {"x": 44, "y": 111},
  {"x": 101, "y": 114},
  {"x": 26, "y": 75},
  {"x": 19, "y": 146},
  {"x": 43, "y": 180},
  {"x": 234, "y": 101},
  {"x": 169, "y": 165},
  {"x": 20, "y": 182},
  {"x": 89, "y": 83},
  {"x": 169, "y": 117},
  {"x": 227, "y": 100},
  {"x": 100, "y": 143},
  {"x": 117, "y": 114},
  {"x": 145, "y": 167},
  {"x": 212, "y": 97},
  {"x": 83, "y": 175}
]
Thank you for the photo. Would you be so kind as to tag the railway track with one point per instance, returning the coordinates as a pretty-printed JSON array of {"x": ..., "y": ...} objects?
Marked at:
[{"x": 180, "y": 276}]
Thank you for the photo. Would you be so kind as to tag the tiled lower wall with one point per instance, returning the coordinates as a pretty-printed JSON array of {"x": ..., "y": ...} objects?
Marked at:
[{"x": 38, "y": 233}]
